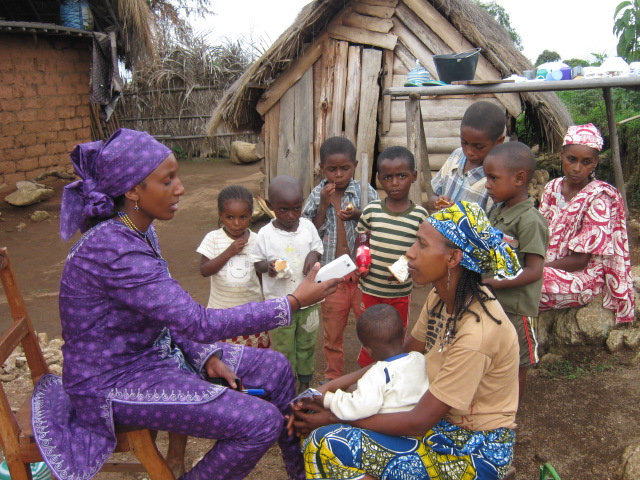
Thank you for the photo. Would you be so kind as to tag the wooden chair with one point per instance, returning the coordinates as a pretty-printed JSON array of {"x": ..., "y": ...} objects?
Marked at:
[{"x": 16, "y": 434}]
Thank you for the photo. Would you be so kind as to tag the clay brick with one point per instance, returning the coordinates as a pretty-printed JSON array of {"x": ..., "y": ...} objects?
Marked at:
[
  {"x": 11, "y": 129},
  {"x": 6, "y": 142},
  {"x": 47, "y": 115},
  {"x": 73, "y": 124},
  {"x": 56, "y": 147},
  {"x": 10, "y": 105},
  {"x": 9, "y": 77},
  {"x": 35, "y": 127},
  {"x": 6, "y": 91},
  {"x": 27, "y": 115},
  {"x": 66, "y": 135},
  {"x": 48, "y": 160},
  {"x": 47, "y": 90},
  {"x": 14, "y": 154},
  {"x": 58, "y": 101},
  {"x": 46, "y": 137},
  {"x": 7, "y": 118},
  {"x": 11, "y": 178},
  {"x": 26, "y": 140},
  {"x": 34, "y": 78},
  {"x": 35, "y": 103},
  {"x": 25, "y": 65},
  {"x": 84, "y": 134},
  {"x": 36, "y": 150},
  {"x": 26, "y": 91},
  {"x": 8, "y": 166},
  {"x": 26, "y": 164},
  {"x": 66, "y": 112}
]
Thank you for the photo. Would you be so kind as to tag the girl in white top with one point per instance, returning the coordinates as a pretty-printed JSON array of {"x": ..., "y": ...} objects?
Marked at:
[{"x": 225, "y": 258}]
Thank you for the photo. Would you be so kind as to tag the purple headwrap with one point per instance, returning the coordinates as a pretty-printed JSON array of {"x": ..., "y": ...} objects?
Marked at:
[{"x": 107, "y": 171}]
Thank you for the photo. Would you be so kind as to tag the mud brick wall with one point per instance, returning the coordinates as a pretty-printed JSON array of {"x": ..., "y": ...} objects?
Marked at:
[{"x": 44, "y": 104}]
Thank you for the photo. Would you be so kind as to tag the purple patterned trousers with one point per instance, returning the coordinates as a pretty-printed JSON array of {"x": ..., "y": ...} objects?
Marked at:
[{"x": 244, "y": 426}]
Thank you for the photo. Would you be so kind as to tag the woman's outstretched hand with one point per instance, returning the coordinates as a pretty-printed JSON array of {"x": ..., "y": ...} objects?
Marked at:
[
  {"x": 310, "y": 292},
  {"x": 302, "y": 423}
]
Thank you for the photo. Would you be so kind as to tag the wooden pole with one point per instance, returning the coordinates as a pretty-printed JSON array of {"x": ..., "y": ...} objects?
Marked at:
[
  {"x": 417, "y": 144},
  {"x": 364, "y": 180},
  {"x": 615, "y": 149}
]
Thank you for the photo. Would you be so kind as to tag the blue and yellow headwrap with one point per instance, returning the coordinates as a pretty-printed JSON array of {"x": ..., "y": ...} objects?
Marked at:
[{"x": 466, "y": 225}]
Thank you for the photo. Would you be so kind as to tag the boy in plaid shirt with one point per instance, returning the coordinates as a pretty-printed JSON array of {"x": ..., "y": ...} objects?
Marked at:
[{"x": 334, "y": 207}]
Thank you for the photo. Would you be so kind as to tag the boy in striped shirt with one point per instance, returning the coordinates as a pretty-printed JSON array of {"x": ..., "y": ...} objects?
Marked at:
[{"x": 393, "y": 225}]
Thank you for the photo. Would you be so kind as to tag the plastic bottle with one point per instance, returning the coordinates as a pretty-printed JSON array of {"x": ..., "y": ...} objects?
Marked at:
[{"x": 363, "y": 252}]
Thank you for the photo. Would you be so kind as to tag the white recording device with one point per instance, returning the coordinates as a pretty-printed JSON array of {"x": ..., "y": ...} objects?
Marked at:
[{"x": 340, "y": 267}]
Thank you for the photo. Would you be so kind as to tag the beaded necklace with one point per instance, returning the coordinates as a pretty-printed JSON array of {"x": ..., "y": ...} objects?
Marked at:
[{"x": 124, "y": 218}]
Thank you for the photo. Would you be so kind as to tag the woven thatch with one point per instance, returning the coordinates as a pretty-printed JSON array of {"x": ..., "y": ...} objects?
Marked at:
[
  {"x": 132, "y": 20},
  {"x": 544, "y": 111}
]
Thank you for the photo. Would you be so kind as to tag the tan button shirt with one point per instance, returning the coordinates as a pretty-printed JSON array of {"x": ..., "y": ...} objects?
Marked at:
[{"x": 477, "y": 373}]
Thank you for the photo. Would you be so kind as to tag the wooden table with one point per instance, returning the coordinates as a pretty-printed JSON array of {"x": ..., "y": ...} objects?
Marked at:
[{"x": 416, "y": 139}]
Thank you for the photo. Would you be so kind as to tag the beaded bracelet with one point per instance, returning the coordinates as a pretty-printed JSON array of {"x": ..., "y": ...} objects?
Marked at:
[{"x": 296, "y": 299}]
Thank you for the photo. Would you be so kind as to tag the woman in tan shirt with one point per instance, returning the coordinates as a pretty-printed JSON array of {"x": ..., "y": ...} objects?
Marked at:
[{"x": 462, "y": 427}]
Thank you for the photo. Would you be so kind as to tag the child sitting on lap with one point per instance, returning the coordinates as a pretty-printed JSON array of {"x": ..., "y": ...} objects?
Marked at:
[{"x": 394, "y": 383}]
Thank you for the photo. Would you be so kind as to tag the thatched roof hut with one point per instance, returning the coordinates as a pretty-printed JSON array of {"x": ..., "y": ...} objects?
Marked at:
[{"x": 325, "y": 74}]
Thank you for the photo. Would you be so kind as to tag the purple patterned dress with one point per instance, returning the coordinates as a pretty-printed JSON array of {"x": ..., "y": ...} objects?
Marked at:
[{"x": 135, "y": 344}]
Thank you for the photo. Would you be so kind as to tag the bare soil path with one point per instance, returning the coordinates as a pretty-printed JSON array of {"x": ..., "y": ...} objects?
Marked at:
[{"x": 580, "y": 418}]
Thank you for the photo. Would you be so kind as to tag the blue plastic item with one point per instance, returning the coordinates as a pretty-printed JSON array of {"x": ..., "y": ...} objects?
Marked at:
[{"x": 76, "y": 14}]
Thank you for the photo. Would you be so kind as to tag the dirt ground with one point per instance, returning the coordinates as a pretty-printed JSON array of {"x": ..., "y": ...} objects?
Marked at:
[{"x": 579, "y": 417}]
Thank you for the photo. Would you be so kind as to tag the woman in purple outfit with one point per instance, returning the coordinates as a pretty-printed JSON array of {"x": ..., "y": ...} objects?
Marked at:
[{"x": 137, "y": 346}]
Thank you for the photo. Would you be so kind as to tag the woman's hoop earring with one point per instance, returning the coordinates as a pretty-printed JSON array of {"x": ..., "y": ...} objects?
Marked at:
[
  {"x": 448, "y": 278},
  {"x": 136, "y": 208}
]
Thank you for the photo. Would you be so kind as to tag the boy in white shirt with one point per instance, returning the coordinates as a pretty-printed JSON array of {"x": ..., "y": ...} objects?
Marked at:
[
  {"x": 285, "y": 250},
  {"x": 395, "y": 382}
]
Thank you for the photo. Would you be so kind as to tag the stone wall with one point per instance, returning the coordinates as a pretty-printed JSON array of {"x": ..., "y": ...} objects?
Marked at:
[{"x": 44, "y": 103}]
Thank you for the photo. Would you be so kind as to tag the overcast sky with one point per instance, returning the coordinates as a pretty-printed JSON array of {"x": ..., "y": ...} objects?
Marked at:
[{"x": 573, "y": 28}]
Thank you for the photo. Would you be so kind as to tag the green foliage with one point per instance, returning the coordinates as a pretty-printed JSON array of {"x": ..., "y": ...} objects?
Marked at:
[
  {"x": 627, "y": 28},
  {"x": 502, "y": 17},
  {"x": 587, "y": 106},
  {"x": 600, "y": 58},
  {"x": 576, "y": 62},
  {"x": 547, "y": 56}
]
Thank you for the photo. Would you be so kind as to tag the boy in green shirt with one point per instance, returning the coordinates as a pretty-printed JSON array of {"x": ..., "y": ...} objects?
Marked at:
[{"x": 509, "y": 168}]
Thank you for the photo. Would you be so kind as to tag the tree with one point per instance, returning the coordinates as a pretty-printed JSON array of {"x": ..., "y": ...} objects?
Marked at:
[
  {"x": 576, "y": 62},
  {"x": 600, "y": 58},
  {"x": 502, "y": 17},
  {"x": 627, "y": 28},
  {"x": 548, "y": 56}
]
